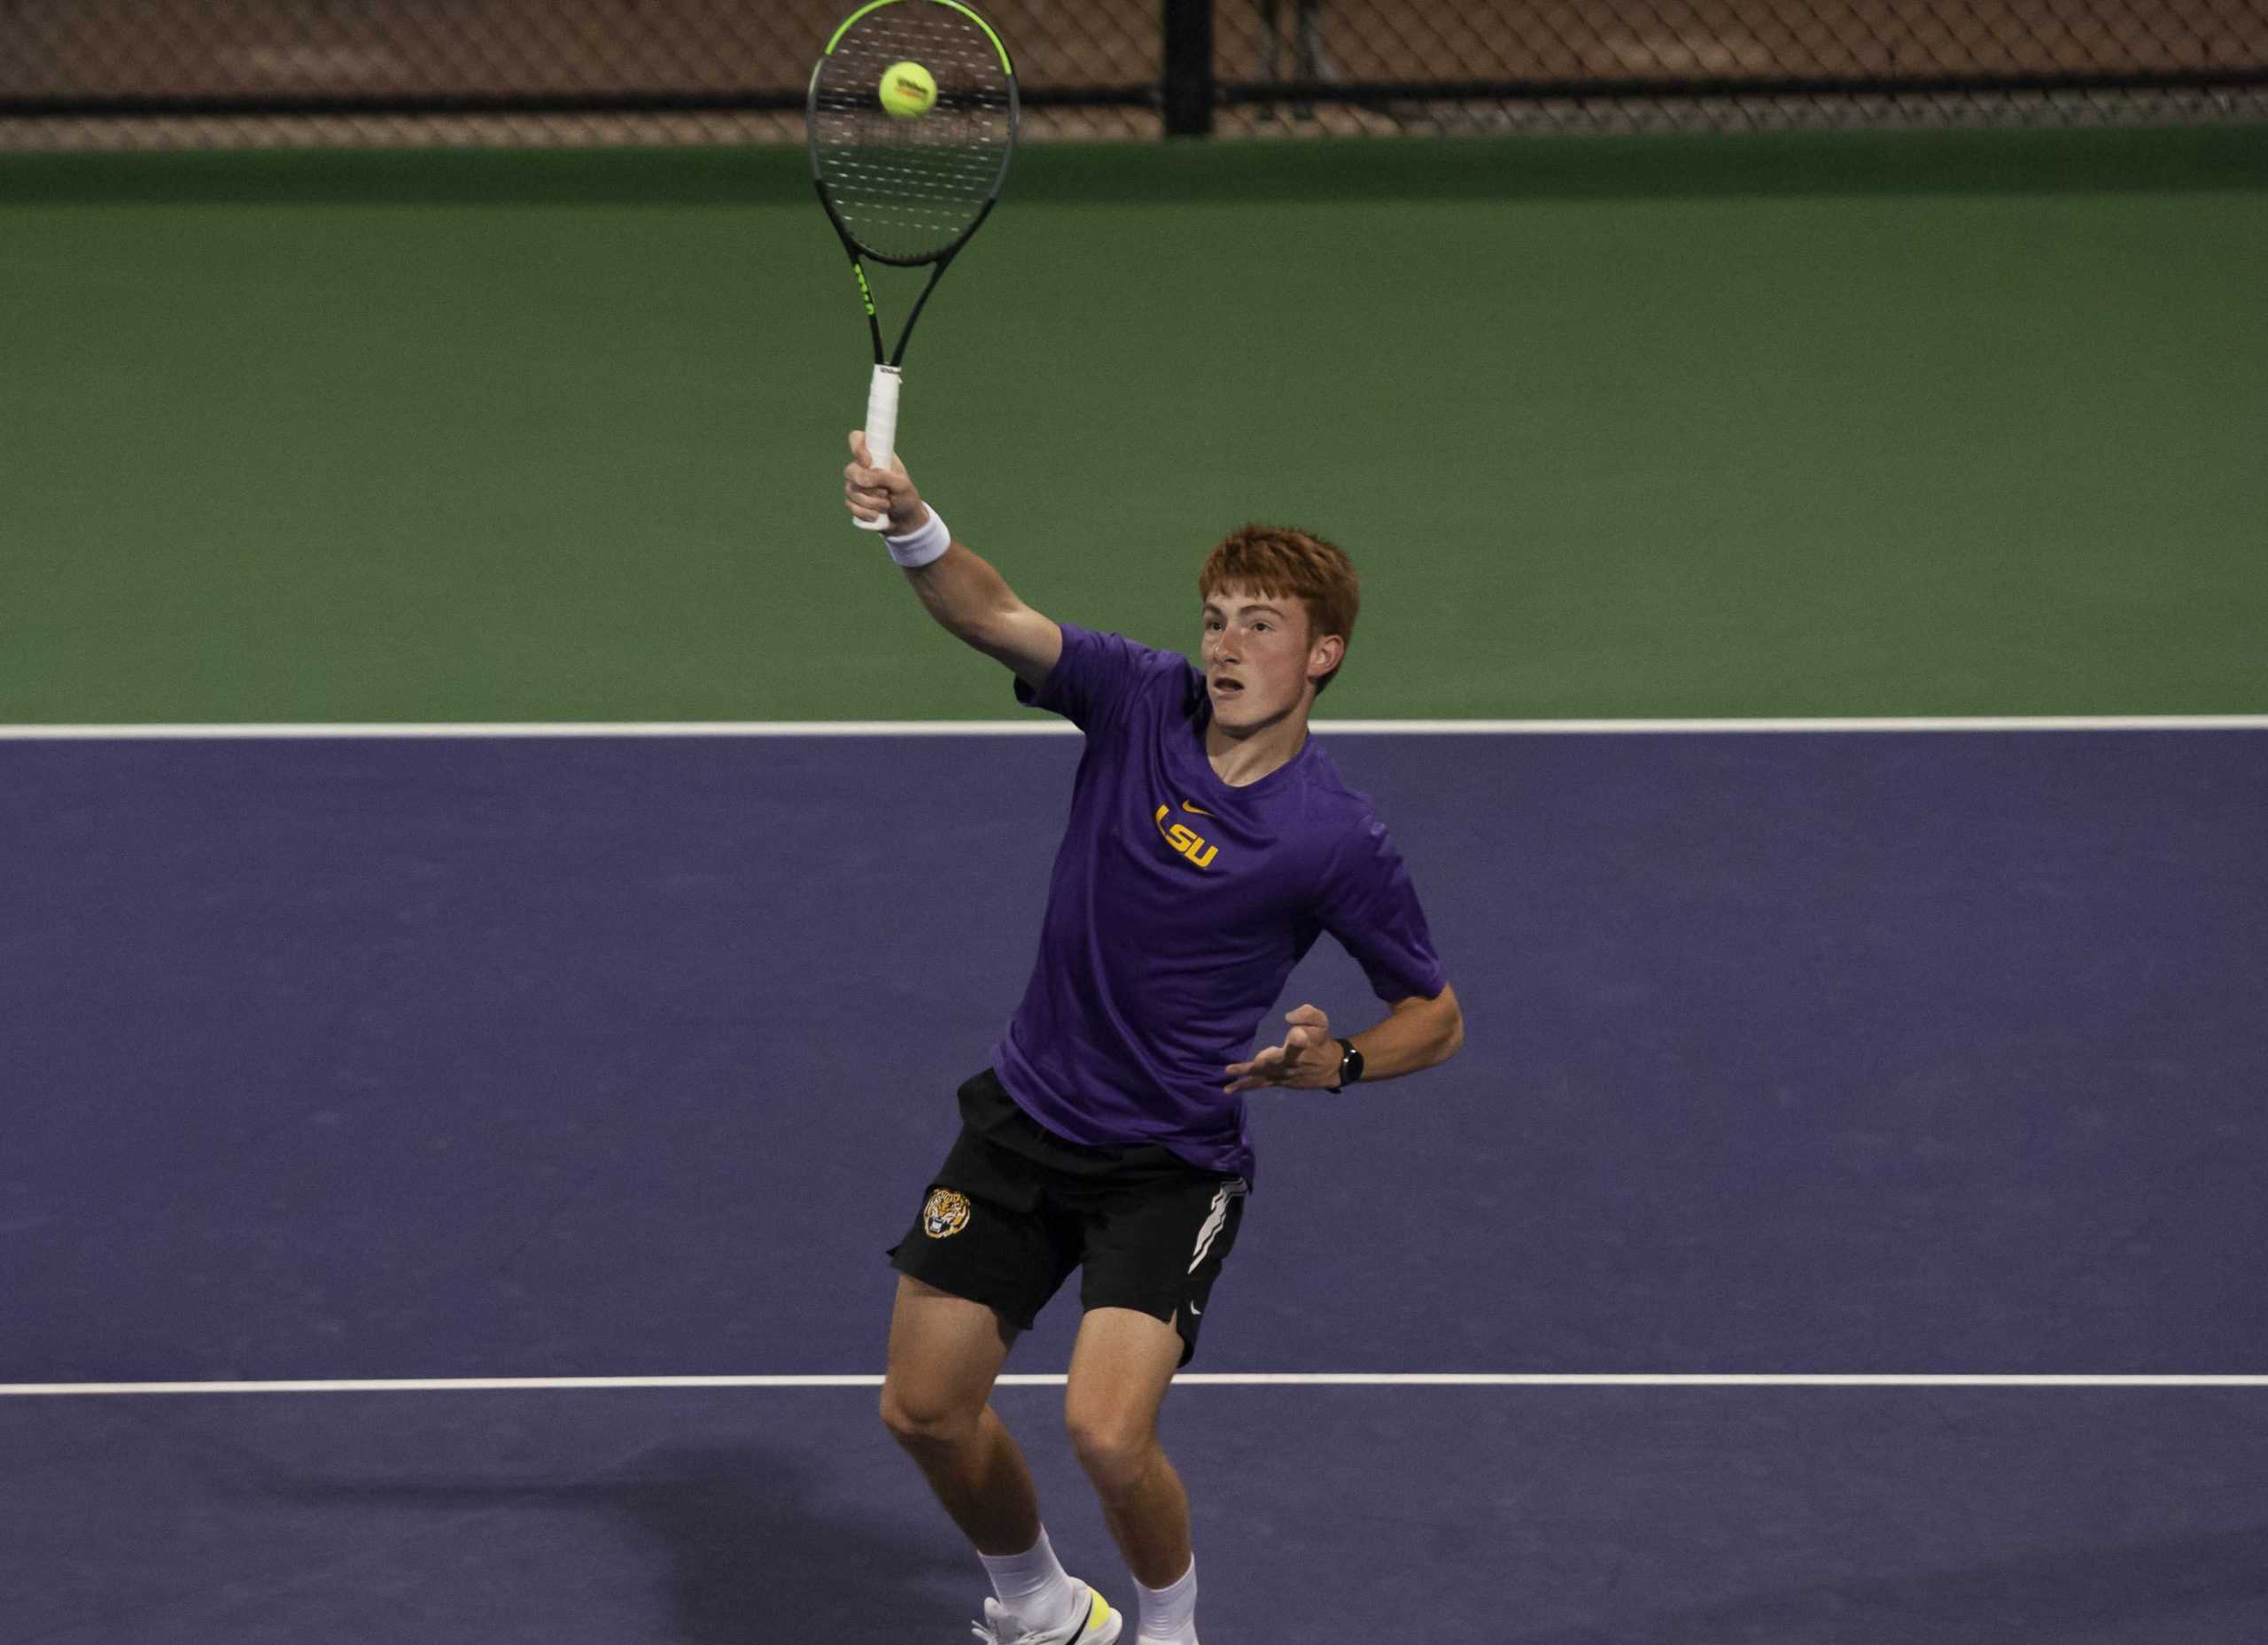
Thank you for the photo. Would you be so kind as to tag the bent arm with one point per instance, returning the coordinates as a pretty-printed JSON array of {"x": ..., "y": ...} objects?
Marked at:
[
  {"x": 1417, "y": 1034},
  {"x": 975, "y": 604}
]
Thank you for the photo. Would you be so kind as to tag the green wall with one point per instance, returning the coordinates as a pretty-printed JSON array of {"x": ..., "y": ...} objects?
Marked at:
[{"x": 1778, "y": 425}]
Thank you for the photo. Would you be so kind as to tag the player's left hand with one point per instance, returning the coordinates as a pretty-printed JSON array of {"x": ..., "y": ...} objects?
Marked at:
[{"x": 1307, "y": 1060}]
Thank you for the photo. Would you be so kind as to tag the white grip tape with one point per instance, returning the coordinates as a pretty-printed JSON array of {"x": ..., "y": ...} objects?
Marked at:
[{"x": 881, "y": 429}]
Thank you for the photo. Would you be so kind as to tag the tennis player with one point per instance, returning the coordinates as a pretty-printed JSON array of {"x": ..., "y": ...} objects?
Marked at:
[{"x": 1210, "y": 841}]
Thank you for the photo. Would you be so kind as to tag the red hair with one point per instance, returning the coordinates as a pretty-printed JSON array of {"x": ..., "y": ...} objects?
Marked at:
[{"x": 1288, "y": 563}]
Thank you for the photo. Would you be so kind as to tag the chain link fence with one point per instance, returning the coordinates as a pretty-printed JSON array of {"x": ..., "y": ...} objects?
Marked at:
[
  {"x": 80, "y": 73},
  {"x": 1554, "y": 65}
]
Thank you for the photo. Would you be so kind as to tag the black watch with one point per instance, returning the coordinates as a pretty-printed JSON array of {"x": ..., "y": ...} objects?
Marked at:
[{"x": 1351, "y": 1066}]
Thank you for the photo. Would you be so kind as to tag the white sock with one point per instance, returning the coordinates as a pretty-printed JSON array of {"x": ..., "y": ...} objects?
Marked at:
[
  {"x": 1032, "y": 1585},
  {"x": 1170, "y": 1615}
]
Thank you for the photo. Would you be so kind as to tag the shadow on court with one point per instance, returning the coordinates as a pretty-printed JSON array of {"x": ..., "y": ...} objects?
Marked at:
[
  {"x": 737, "y": 1546},
  {"x": 2202, "y": 1590}
]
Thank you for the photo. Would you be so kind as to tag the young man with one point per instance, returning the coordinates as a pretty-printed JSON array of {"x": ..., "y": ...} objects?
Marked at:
[{"x": 1209, "y": 843}]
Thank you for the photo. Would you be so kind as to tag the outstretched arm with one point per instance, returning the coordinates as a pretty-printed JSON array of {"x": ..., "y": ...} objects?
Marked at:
[
  {"x": 967, "y": 597},
  {"x": 1418, "y": 1033}
]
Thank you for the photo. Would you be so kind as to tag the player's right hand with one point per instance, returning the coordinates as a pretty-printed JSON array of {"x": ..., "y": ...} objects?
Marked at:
[{"x": 870, "y": 493}]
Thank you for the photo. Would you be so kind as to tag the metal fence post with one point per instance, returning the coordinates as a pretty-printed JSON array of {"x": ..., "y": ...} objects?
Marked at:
[{"x": 1188, "y": 88}]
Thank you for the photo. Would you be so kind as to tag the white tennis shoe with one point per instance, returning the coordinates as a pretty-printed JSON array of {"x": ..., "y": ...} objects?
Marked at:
[{"x": 1092, "y": 1623}]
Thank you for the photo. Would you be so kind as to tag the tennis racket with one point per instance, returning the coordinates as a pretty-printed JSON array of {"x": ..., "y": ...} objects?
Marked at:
[{"x": 903, "y": 184}]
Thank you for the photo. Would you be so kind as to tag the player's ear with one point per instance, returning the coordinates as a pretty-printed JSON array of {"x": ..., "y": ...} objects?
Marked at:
[{"x": 1324, "y": 656}]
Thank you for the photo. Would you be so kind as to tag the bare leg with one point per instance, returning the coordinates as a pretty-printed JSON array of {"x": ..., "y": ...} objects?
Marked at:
[
  {"x": 945, "y": 1353},
  {"x": 1120, "y": 1368}
]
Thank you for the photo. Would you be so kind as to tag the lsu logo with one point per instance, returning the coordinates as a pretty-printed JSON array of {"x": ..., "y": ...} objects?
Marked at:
[
  {"x": 1183, "y": 839},
  {"x": 945, "y": 1215}
]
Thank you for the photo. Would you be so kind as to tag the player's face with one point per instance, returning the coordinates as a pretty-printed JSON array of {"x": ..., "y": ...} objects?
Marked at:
[{"x": 1256, "y": 657}]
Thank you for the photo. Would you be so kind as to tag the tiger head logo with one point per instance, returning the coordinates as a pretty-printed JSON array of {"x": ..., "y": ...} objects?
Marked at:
[{"x": 945, "y": 1215}]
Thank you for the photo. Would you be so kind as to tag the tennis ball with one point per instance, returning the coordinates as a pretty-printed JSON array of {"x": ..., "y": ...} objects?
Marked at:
[{"x": 908, "y": 91}]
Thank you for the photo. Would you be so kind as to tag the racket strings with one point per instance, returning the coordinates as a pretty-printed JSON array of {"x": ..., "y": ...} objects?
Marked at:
[{"x": 906, "y": 190}]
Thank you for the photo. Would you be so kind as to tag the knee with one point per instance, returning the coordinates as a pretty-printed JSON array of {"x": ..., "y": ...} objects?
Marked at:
[
  {"x": 920, "y": 1420},
  {"x": 1114, "y": 1450}
]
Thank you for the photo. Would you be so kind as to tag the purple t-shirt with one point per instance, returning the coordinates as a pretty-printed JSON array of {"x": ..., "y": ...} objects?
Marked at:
[{"x": 1178, "y": 907}]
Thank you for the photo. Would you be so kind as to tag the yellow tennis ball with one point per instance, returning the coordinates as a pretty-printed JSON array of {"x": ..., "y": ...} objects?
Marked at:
[{"x": 908, "y": 91}]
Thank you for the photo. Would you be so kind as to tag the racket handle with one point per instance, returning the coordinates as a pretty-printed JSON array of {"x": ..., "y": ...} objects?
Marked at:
[{"x": 882, "y": 430}]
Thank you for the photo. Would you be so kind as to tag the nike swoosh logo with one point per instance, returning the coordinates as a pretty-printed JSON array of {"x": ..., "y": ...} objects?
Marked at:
[
  {"x": 1186, "y": 806},
  {"x": 1195, "y": 1312}
]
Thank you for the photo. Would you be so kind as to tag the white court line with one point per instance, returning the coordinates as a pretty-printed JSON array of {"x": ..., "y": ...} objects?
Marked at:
[
  {"x": 1362, "y": 1380},
  {"x": 1053, "y": 727}
]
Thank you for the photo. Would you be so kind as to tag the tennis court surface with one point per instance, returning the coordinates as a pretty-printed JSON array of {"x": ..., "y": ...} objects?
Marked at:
[
  {"x": 445, "y": 1177},
  {"x": 1924, "y": 1058}
]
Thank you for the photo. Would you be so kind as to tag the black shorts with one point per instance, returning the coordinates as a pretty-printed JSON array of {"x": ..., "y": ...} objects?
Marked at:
[{"x": 1015, "y": 1208}]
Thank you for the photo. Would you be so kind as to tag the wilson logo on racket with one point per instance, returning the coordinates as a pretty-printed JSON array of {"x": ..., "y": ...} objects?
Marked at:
[
  {"x": 908, "y": 190},
  {"x": 1184, "y": 841}
]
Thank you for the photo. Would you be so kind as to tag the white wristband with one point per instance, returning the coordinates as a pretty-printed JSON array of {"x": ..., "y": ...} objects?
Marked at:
[{"x": 926, "y": 542}]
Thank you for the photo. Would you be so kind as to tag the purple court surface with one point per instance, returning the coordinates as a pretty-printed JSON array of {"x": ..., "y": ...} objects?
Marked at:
[{"x": 1890, "y": 1054}]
